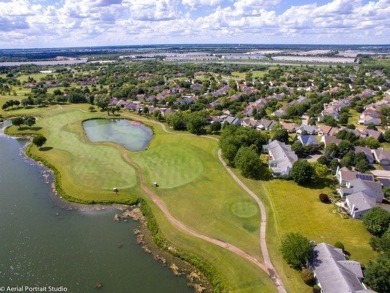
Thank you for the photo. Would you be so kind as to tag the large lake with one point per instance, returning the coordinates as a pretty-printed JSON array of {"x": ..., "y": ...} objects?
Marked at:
[
  {"x": 43, "y": 243},
  {"x": 132, "y": 135}
]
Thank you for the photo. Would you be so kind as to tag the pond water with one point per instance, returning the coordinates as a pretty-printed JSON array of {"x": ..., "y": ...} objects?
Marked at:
[
  {"x": 132, "y": 135},
  {"x": 43, "y": 243}
]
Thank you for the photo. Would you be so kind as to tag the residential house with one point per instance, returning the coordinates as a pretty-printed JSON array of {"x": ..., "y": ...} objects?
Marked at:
[
  {"x": 329, "y": 139},
  {"x": 232, "y": 120},
  {"x": 367, "y": 118},
  {"x": 371, "y": 133},
  {"x": 371, "y": 188},
  {"x": 344, "y": 175},
  {"x": 308, "y": 140},
  {"x": 282, "y": 156},
  {"x": 358, "y": 204},
  {"x": 334, "y": 273},
  {"x": 290, "y": 127},
  {"x": 265, "y": 124},
  {"x": 382, "y": 156},
  {"x": 307, "y": 129},
  {"x": 249, "y": 122},
  {"x": 249, "y": 110},
  {"x": 282, "y": 111},
  {"x": 367, "y": 151},
  {"x": 324, "y": 130}
]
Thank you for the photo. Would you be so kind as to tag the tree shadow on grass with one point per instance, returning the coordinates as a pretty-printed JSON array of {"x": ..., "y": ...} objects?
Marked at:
[
  {"x": 319, "y": 183},
  {"x": 45, "y": 149},
  {"x": 35, "y": 128}
]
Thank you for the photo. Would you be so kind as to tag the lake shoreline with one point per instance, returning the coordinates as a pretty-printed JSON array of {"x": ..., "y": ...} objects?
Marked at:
[{"x": 179, "y": 267}]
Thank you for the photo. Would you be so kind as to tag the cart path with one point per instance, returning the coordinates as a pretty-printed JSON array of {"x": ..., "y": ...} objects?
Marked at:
[
  {"x": 263, "y": 226},
  {"x": 267, "y": 266}
]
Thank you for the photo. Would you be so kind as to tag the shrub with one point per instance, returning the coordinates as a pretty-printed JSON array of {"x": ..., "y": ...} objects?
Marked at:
[
  {"x": 307, "y": 276},
  {"x": 296, "y": 250},
  {"x": 316, "y": 289},
  {"x": 324, "y": 198},
  {"x": 340, "y": 245}
]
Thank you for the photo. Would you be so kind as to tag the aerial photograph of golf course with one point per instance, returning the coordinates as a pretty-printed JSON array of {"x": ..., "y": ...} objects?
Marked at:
[{"x": 194, "y": 146}]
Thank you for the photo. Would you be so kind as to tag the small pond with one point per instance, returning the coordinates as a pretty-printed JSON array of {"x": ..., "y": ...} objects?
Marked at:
[{"x": 132, "y": 135}]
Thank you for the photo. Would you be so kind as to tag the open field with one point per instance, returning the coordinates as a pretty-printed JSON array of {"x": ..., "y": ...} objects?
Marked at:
[
  {"x": 292, "y": 208},
  {"x": 193, "y": 184}
]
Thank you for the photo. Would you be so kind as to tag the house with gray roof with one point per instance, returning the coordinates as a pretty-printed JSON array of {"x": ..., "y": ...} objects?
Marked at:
[
  {"x": 232, "y": 120},
  {"x": 308, "y": 140},
  {"x": 309, "y": 129},
  {"x": 371, "y": 188},
  {"x": 334, "y": 273},
  {"x": 358, "y": 204},
  {"x": 265, "y": 124},
  {"x": 282, "y": 156},
  {"x": 367, "y": 151},
  {"x": 382, "y": 156},
  {"x": 344, "y": 176}
]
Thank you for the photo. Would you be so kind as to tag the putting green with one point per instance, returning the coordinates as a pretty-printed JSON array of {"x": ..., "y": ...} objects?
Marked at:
[
  {"x": 171, "y": 164},
  {"x": 244, "y": 209}
]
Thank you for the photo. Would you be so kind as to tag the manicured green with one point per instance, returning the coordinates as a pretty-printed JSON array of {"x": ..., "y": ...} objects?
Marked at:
[{"x": 244, "y": 209}]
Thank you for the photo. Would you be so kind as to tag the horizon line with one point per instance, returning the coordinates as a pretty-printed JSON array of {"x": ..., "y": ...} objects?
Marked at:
[{"x": 189, "y": 44}]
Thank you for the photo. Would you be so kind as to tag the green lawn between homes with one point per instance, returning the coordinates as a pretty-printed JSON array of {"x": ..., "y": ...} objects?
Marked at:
[
  {"x": 292, "y": 208},
  {"x": 193, "y": 184}
]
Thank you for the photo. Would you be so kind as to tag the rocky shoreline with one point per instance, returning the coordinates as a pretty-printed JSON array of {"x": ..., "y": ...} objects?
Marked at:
[{"x": 178, "y": 267}]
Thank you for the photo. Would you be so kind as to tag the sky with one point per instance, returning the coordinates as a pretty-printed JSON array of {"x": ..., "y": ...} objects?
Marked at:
[{"x": 68, "y": 23}]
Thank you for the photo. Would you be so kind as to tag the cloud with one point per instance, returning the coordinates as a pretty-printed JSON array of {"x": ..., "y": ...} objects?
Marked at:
[
  {"x": 86, "y": 22},
  {"x": 197, "y": 3}
]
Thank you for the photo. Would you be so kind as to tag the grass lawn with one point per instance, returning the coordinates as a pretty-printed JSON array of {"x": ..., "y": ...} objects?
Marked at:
[
  {"x": 292, "y": 208},
  {"x": 193, "y": 184},
  {"x": 197, "y": 189}
]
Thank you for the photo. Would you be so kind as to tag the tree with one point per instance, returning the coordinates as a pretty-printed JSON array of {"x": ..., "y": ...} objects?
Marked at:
[
  {"x": 343, "y": 119},
  {"x": 386, "y": 135},
  {"x": 39, "y": 140},
  {"x": 296, "y": 250},
  {"x": 177, "y": 121},
  {"x": 302, "y": 172},
  {"x": 281, "y": 135},
  {"x": 377, "y": 274},
  {"x": 195, "y": 123},
  {"x": 298, "y": 148},
  {"x": 320, "y": 170},
  {"x": 377, "y": 221},
  {"x": 29, "y": 121},
  {"x": 330, "y": 121},
  {"x": 344, "y": 147},
  {"x": 362, "y": 166},
  {"x": 381, "y": 244},
  {"x": 247, "y": 160},
  {"x": 215, "y": 127},
  {"x": 17, "y": 121}
]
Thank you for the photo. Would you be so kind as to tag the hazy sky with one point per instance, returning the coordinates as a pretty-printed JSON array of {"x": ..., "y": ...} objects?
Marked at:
[{"x": 56, "y": 23}]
